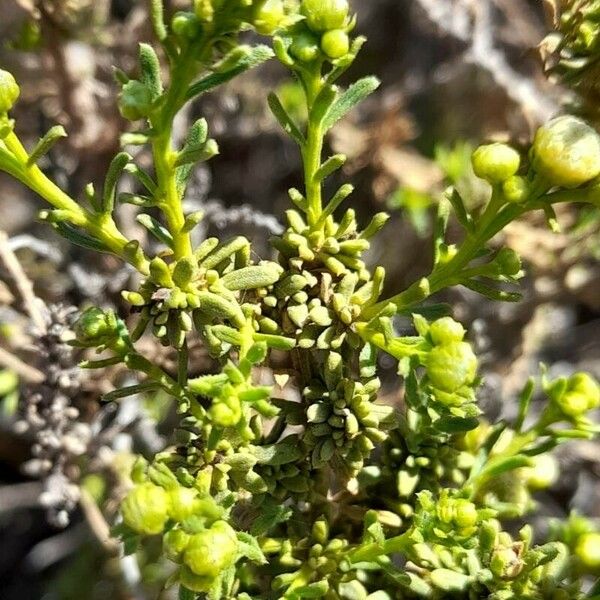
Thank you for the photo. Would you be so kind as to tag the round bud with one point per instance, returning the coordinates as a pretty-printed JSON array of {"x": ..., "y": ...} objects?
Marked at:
[
  {"x": 323, "y": 15},
  {"x": 145, "y": 508},
  {"x": 573, "y": 404},
  {"x": 185, "y": 25},
  {"x": 566, "y": 151},
  {"x": 446, "y": 331},
  {"x": 335, "y": 43},
  {"x": 175, "y": 541},
  {"x": 516, "y": 189},
  {"x": 212, "y": 551},
  {"x": 465, "y": 513},
  {"x": 508, "y": 262},
  {"x": 9, "y": 91},
  {"x": 305, "y": 47},
  {"x": 268, "y": 16},
  {"x": 95, "y": 327},
  {"x": 506, "y": 563},
  {"x": 585, "y": 384},
  {"x": 445, "y": 510},
  {"x": 543, "y": 473},
  {"x": 135, "y": 100},
  {"x": 226, "y": 413},
  {"x": 495, "y": 162},
  {"x": 183, "y": 503},
  {"x": 451, "y": 366},
  {"x": 588, "y": 550}
]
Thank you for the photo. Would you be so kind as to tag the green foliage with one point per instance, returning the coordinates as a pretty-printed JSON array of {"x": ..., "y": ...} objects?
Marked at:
[{"x": 326, "y": 492}]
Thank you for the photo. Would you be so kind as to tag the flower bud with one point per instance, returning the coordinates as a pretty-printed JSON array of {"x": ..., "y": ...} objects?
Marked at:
[
  {"x": 516, "y": 189},
  {"x": 175, "y": 541},
  {"x": 495, "y": 162},
  {"x": 566, "y": 151},
  {"x": 465, "y": 513},
  {"x": 452, "y": 366},
  {"x": 145, "y": 508},
  {"x": 183, "y": 503},
  {"x": 582, "y": 394},
  {"x": 305, "y": 47},
  {"x": 9, "y": 91},
  {"x": 212, "y": 551},
  {"x": 506, "y": 563},
  {"x": 543, "y": 473},
  {"x": 324, "y": 15},
  {"x": 588, "y": 550},
  {"x": 96, "y": 327},
  {"x": 185, "y": 25},
  {"x": 135, "y": 100},
  {"x": 585, "y": 384},
  {"x": 268, "y": 16},
  {"x": 446, "y": 331},
  {"x": 508, "y": 262},
  {"x": 226, "y": 412},
  {"x": 335, "y": 43}
]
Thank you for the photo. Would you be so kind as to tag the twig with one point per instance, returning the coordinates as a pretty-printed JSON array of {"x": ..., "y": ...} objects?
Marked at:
[
  {"x": 97, "y": 522},
  {"x": 23, "y": 283},
  {"x": 23, "y": 370}
]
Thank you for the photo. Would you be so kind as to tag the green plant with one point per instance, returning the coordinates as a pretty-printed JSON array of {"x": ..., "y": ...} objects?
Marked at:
[{"x": 360, "y": 500}]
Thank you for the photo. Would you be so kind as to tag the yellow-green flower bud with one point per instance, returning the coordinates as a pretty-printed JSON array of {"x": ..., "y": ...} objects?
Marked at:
[
  {"x": 226, "y": 413},
  {"x": 96, "y": 327},
  {"x": 305, "y": 47},
  {"x": 451, "y": 366},
  {"x": 212, "y": 551},
  {"x": 566, "y": 152},
  {"x": 135, "y": 100},
  {"x": 9, "y": 91},
  {"x": 495, "y": 162},
  {"x": 145, "y": 509},
  {"x": 446, "y": 331},
  {"x": 175, "y": 542},
  {"x": 183, "y": 503},
  {"x": 585, "y": 384},
  {"x": 516, "y": 189},
  {"x": 543, "y": 473},
  {"x": 465, "y": 513},
  {"x": 335, "y": 43},
  {"x": 185, "y": 25},
  {"x": 268, "y": 16},
  {"x": 508, "y": 261},
  {"x": 588, "y": 550},
  {"x": 323, "y": 15},
  {"x": 506, "y": 563}
]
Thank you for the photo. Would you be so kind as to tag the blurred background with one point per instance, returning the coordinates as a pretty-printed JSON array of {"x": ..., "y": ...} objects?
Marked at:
[{"x": 454, "y": 73}]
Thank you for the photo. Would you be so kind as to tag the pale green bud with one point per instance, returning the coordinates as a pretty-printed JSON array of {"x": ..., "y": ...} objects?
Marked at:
[
  {"x": 268, "y": 16},
  {"x": 566, "y": 151},
  {"x": 212, "y": 551},
  {"x": 135, "y": 100},
  {"x": 324, "y": 15},
  {"x": 495, "y": 162},
  {"x": 9, "y": 91},
  {"x": 445, "y": 331},
  {"x": 588, "y": 550},
  {"x": 452, "y": 366},
  {"x": 516, "y": 189},
  {"x": 145, "y": 508},
  {"x": 335, "y": 43}
]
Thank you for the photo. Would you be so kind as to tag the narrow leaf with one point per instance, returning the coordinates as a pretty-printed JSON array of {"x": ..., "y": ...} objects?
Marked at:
[
  {"x": 156, "y": 229},
  {"x": 157, "y": 18},
  {"x": 255, "y": 56},
  {"x": 285, "y": 120},
  {"x": 115, "y": 170},
  {"x": 150, "y": 70},
  {"x": 354, "y": 95},
  {"x": 491, "y": 292},
  {"x": 331, "y": 165},
  {"x": 45, "y": 144}
]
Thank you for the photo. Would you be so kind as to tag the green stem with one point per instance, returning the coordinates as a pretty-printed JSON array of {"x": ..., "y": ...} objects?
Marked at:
[
  {"x": 313, "y": 148},
  {"x": 171, "y": 198},
  {"x": 102, "y": 227}
]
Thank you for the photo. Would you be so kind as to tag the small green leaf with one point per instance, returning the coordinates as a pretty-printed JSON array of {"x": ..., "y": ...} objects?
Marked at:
[
  {"x": 156, "y": 229},
  {"x": 116, "y": 168},
  {"x": 45, "y": 144},
  {"x": 150, "y": 70},
  {"x": 331, "y": 165},
  {"x": 491, "y": 292},
  {"x": 254, "y": 57},
  {"x": 285, "y": 120},
  {"x": 249, "y": 548},
  {"x": 354, "y": 95}
]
